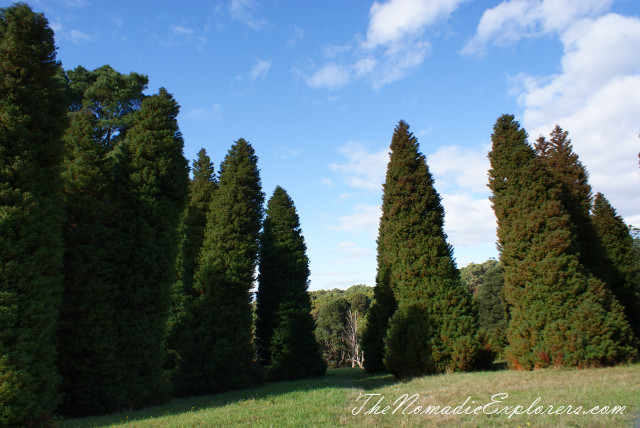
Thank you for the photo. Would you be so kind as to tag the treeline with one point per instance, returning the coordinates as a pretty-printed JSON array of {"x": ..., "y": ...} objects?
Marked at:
[
  {"x": 566, "y": 291},
  {"x": 123, "y": 282}
]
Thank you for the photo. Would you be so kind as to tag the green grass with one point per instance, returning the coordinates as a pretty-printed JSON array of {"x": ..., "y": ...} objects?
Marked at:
[{"x": 328, "y": 401}]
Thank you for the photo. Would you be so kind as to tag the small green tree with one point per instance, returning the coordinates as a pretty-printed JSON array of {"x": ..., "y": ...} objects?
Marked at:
[
  {"x": 330, "y": 331},
  {"x": 282, "y": 298},
  {"x": 33, "y": 119},
  {"x": 225, "y": 276},
  {"x": 408, "y": 342},
  {"x": 620, "y": 266}
]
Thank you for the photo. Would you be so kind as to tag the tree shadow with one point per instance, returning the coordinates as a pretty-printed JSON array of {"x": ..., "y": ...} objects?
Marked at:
[{"x": 345, "y": 378}]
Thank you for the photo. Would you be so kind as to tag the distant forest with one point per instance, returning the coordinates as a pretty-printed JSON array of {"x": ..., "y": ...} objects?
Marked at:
[{"x": 127, "y": 272}]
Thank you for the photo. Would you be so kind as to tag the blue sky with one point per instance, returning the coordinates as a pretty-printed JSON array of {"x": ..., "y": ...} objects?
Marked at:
[{"x": 317, "y": 88}]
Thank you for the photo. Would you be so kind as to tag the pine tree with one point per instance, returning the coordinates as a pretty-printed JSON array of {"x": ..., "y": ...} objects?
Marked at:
[
  {"x": 191, "y": 236},
  {"x": 102, "y": 103},
  {"x": 559, "y": 314},
  {"x": 620, "y": 266},
  {"x": 284, "y": 327},
  {"x": 225, "y": 277},
  {"x": 156, "y": 184},
  {"x": 33, "y": 112},
  {"x": 377, "y": 323},
  {"x": 416, "y": 262}
]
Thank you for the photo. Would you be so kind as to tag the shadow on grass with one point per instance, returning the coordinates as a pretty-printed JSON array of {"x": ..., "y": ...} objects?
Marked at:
[{"x": 344, "y": 378}]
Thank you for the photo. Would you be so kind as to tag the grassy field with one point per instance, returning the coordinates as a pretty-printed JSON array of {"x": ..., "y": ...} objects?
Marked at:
[{"x": 333, "y": 399}]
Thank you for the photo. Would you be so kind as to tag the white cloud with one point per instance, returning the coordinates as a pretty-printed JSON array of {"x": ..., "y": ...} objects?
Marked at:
[
  {"x": 179, "y": 30},
  {"x": 365, "y": 219},
  {"x": 246, "y": 11},
  {"x": 513, "y": 20},
  {"x": 205, "y": 113},
  {"x": 394, "y": 44},
  {"x": 460, "y": 167},
  {"x": 332, "y": 76},
  {"x": 77, "y": 36},
  {"x": 391, "y": 22},
  {"x": 468, "y": 221},
  {"x": 260, "y": 69},
  {"x": 363, "y": 169},
  {"x": 349, "y": 252},
  {"x": 596, "y": 97}
]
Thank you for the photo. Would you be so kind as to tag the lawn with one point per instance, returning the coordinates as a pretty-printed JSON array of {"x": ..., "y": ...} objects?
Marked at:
[{"x": 340, "y": 399}]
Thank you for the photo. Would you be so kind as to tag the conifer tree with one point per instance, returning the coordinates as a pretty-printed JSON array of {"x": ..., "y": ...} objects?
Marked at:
[
  {"x": 156, "y": 184},
  {"x": 620, "y": 266},
  {"x": 416, "y": 262},
  {"x": 87, "y": 335},
  {"x": 102, "y": 103},
  {"x": 191, "y": 236},
  {"x": 33, "y": 118},
  {"x": 559, "y": 314},
  {"x": 572, "y": 180},
  {"x": 225, "y": 276},
  {"x": 285, "y": 342}
]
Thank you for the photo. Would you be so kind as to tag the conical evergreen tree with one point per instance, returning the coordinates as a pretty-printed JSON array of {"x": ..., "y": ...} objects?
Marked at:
[
  {"x": 559, "y": 314},
  {"x": 191, "y": 234},
  {"x": 416, "y": 260},
  {"x": 575, "y": 193},
  {"x": 102, "y": 103},
  {"x": 225, "y": 276},
  {"x": 87, "y": 336},
  {"x": 33, "y": 113},
  {"x": 285, "y": 342},
  {"x": 377, "y": 323},
  {"x": 156, "y": 183},
  {"x": 620, "y": 267}
]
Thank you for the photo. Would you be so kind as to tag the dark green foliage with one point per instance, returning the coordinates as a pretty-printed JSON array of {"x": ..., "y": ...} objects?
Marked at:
[
  {"x": 620, "y": 266},
  {"x": 33, "y": 118},
  {"x": 99, "y": 206},
  {"x": 486, "y": 281},
  {"x": 225, "y": 276},
  {"x": 111, "y": 96},
  {"x": 156, "y": 184},
  {"x": 377, "y": 323},
  {"x": 87, "y": 336},
  {"x": 191, "y": 235},
  {"x": 282, "y": 332},
  {"x": 408, "y": 342},
  {"x": 415, "y": 261},
  {"x": 330, "y": 331},
  {"x": 294, "y": 352},
  {"x": 559, "y": 314}
]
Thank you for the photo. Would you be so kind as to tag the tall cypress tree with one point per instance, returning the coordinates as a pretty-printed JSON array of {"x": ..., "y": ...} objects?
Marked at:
[
  {"x": 559, "y": 314},
  {"x": 225, "y": 276},
  {"x": 416, "y": 263},
  {"x": 285, "y": 342},
  {"x": 102, "y": 103},
  {"x": 620, "y": 266},
  {"x": 33, "y": 113},
  {"x": 87, "y": 335},
  {"x": 572, "y": 181},
  {"x": 191, "y": 236},
  {"x": 155, "y": 181}
]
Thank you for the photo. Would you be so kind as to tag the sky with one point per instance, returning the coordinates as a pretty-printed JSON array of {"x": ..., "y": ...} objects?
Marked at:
[{"x": 318, "y": 87}]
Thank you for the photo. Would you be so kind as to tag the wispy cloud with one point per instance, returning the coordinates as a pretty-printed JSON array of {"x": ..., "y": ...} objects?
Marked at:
[
  {"x": 363, "y": 168},
  {"x": 364, "y": 219},
  {"x": 213, "y": 112},
  {"x": 260, "y": 69},
  {"x": 246, "y": 12},
  {"x": 179, "y": 30}
]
